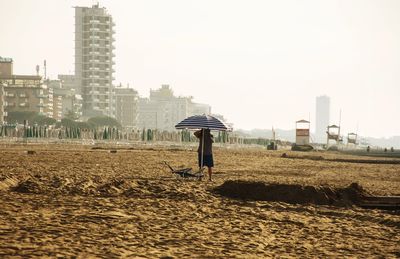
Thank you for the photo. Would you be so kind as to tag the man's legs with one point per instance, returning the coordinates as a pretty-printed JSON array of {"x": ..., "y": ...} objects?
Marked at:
[{"x": 209, "y": 173}]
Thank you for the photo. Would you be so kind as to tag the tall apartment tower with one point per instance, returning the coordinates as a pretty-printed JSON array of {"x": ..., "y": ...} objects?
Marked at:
[
  {"x": 94, "y": 59},
  {"x": 322, "y": 118}
]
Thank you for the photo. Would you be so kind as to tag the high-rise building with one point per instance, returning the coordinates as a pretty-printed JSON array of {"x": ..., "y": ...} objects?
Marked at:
[
  {"x": 94, "y": 59},
  {"x": 322, "y": 118}
]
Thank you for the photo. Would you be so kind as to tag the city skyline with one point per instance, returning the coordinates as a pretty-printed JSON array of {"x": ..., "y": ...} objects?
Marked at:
[{"x": 256, "y": 74}]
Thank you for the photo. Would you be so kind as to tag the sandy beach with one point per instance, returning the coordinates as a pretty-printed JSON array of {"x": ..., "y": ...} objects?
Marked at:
[{"x": 76, "y": 200}]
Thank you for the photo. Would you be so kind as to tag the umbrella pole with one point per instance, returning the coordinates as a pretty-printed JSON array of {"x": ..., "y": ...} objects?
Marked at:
[{"x": 202, "y": 148}]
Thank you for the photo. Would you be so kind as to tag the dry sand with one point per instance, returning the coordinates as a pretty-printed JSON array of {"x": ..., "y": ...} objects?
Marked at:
[{"x": 71, "y": 200}]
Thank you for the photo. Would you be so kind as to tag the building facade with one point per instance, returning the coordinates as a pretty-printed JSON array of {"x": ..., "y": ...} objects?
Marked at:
[
  {"x": 65, "y": 100},
  {"x": 6, "y": 71},
  {"x": 6, "y": 67},
  {"x": 163, "y": 110},
  {"x": 94, "y": 59},
  {"x": 23, "y": 93},
  {"x": 2, "y": 114},
  {"x": 126, "y": 106},
  {"x": 69, "y": 82},
  {"x": 48, "y": 92},
  {"x": 322, "y": 118},
  {"x": 200, "y": 109},
  {"x": 56, "y": 100}
]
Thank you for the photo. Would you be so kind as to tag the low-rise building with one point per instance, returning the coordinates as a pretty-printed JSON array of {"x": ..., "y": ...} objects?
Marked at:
[
  {"x": 163, "y": 110},
  {"x": 6, "y": 70},
  {"x": 49, "y": 100},
  {"x": 2, "y": 114},
  {"x": 200, "y": 109},
  {"x": 65, "y": 99},
  {"x": 6, "y": 67},
  {"x": 69, "y": 82},
  {"x": 56, "y": 100},
  {"x": 125, "y": 102},
  {"x": 23, "y": 92}
]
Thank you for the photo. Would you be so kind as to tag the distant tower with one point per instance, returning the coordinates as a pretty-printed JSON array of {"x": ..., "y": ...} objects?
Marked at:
[
  {"x": 94, "y": 59},
  {"x": 322, "y": 118},
  {"x": 45, "y": 69}
]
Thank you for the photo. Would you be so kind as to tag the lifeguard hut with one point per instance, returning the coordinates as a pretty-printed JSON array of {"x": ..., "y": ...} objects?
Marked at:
[
  {"x": 302, "y": 133},
  {"x": 333, "y": 133},
  {"x": 352, "y": 138}
]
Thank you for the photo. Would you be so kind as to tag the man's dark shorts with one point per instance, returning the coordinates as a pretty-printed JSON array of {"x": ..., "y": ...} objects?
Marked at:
[{"x": 207, "y": 160}]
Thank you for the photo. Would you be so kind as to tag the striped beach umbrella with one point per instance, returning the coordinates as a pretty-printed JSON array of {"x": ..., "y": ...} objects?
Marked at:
[{"x": 202, "y": 122}]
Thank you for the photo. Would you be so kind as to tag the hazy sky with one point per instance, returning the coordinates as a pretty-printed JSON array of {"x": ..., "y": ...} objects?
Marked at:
[{"x": 259, "y": 63}]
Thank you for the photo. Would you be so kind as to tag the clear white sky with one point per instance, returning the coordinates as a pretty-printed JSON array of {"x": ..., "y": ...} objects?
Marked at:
[{"x": 257, "y": 62}]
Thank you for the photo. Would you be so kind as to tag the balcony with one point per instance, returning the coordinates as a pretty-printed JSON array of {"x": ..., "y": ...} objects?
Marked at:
[
  {"x": 10, "y": 94},
  {"x": 41, "y": 105},
  {"x": 23, "y": 95},
  {"x": 94, "y": 21},
  {"x": 104, "y": 94},
  {"x": 91, "y": 45},
  {"x": 23, "y": 105}
]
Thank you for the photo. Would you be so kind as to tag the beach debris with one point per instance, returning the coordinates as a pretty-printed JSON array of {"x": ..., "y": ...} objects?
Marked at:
[
  {"x": 186, "y": 172},
  {"x": 302, "y": 148}
]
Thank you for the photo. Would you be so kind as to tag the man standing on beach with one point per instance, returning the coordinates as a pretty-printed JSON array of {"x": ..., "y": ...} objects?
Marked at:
[{"x": 206, "y": 151}]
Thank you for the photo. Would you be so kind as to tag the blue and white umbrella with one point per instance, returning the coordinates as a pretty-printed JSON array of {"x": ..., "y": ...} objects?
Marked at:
[{"x": 202, "y": 122}]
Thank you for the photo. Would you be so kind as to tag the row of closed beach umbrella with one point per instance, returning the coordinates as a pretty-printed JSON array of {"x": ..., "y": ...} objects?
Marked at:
[{"x": 109, "y": 133}]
